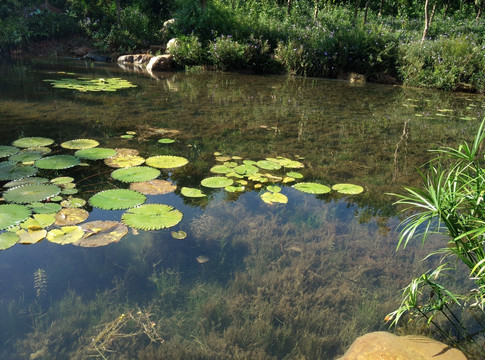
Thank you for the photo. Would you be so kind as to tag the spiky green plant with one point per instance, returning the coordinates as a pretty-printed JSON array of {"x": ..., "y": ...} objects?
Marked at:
[{"x": 451, "y": 201}]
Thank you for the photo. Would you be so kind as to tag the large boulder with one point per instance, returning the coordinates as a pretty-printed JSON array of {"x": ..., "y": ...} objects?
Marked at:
[
  {"x": 172, "y": 45},
  {"x": 160, "y": 63},
  {"x": 137, "y": 59},
  {"x": 386, "y": 346}
]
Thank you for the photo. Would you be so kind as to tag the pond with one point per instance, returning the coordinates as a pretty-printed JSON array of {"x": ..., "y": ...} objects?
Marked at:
[{"x": 235, "y": 273}]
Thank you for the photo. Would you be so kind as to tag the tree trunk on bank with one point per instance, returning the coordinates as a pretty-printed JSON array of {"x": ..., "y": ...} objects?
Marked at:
[
  {"x": 426, "y": 21},
  {"x": 315, "y": 13},
  {"x": 366, "y": 10}
]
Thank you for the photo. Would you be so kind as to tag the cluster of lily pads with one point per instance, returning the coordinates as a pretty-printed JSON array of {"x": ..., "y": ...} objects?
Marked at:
[
  {"x": 85, "y": 84},
  {"x": 47, "y": 207}
]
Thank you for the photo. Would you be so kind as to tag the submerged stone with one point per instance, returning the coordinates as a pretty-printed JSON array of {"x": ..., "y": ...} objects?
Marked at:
[{"x": 386, "y": 346}]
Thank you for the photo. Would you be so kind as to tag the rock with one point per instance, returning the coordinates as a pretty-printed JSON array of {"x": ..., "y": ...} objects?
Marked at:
[
  {"x": 172, "y": 44},
  {"x": 80, "y": 51},
  {"x": 386, "y": 346},
  {"x": 168, "y": 23},
  {"x": 356, "y": 78},
  {"x": 160, "y": 63},
  {"x": 136, "y": 59}
]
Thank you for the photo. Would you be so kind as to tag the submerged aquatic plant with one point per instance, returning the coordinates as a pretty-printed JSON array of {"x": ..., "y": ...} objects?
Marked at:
[{"x": 451, "y": 200}]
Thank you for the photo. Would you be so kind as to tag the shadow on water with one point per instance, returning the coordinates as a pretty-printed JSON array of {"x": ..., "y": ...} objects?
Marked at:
[{"x": 250, "y": 280}]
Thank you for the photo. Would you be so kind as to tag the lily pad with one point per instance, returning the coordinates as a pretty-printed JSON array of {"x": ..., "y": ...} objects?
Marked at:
[
  {"x": 201, "y": 259},
  {"x": 62, "y": 180},
  {"x": 152, "y": 217},
  {"x": 166, "y": 161},
  {"x": 135, "y": 174},
  {"x": 220, "y": 169},
  {"x": 38, "y": 222},
  {"x": 95, "y": 85},
  {"x": 12, "y": 214},
  {"x": 312, "y": 188},
  {"x": 268, "y": 165},
  {"x": 26, "y": 156},
  {"x": 26, "y": 181},
  {"x": 117, "y": 199},
  {"x": 349, "y": 189},
  {"x": 31, "y": 193},
  {"x": 57, "y": 162},
  {"x": 287, "y": 163},
  {"x": 166, "y": 141},
  {"x": 45, "y": 208},
  {"x": 28, "y": 237},
  {"x": 124, "y": 160},
  {"x": 233, "y": 189},
  {"x": 71, "y": 216},
  {"x": 7, "y": 240},
  {"x": 192, "y": 192},
  {"x": 294, "y": 174},
  {"x": 65, "y": 235},
  {"x": 79, "y": 144},
  {"x": 96, "y": 153},
  {"x": 217, "y": 182},
  {"x": 274, "y": 197},
  {"x": 10, "y": 170},
  {"x": 246, "y": 169},
  {"x": 29, "y": 142},
  {"x": 6, "y": 150},
  {"x": 73, "y": 203},
  {"x": 179, "y": 235},
  {"x": 101, "y": 233},
  {"x": 153, "y": 187}
]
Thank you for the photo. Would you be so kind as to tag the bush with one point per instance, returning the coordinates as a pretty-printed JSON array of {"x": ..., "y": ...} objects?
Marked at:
[
  {"x": 443, "y": 63},
  {"x": 188, "y": 51},
  {"x": 228, "y": 54}
]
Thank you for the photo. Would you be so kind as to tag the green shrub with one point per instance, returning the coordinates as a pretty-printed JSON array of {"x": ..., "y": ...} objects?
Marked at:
[
  {"x": 445, "y": 63},
  {"x": 227, "y": 54},
  {"x": 188, "y": 51}
]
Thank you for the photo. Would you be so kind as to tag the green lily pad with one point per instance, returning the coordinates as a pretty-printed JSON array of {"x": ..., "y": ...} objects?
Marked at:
[
  {"x": 124, "y": 160},
  {"x": 62, "y": 180},
  {"x": 101, "y": 233},
  {"x": 26, "y": 181},
  {"x": 73, "y": 203},
  {"x": 45, "y": 208},
  {"x": 217, "y": 182},
  {"x": 246, "y": 169},
  {"x": 29, "y": 142},
  {"x": 192, "y": 192},
  {"x": 69, "y": 191},
  {"x": 7, "y": 240},
  {"x": 153, "y": 187},
  {"x": 27, "y": 237},
  {"x": 152, "y": 217},
  {"x": 179, "y": 235},
  {"x": 349, "y": 189},
  {"x": 65, "y": 235},
  {"x": 31, "y": 193},
  {"x": 274, "y": 197},
  {"x": 10, "y": 170},
  {"x": 220, "y": 169},
  {"x": 166, "y": 141},
  {"x": 38, "y": 222},
  {"x": 166, "y": 161},
  {"x": 26, "y": 156},
  {"x": 6, "y": 150},
  {"x": 127, "y": 136},
  {"x": 268, "y": 165},
  {"x": 79, "y": 144},
  {"x": 287, "y": 163},
  {"x": 233, "y": 189},
  {"x": 312, "y": 188},
  {"x": 57, "y": 162},
  {"x": 85, "y": 85},
  {"x": 135, "y": 174},
  {"x": 117, "y": 199},
  {"x": 12, "y": 214},
  {"x": 95, "y": 153},
  {"x": 273, "y": 188},
  {"x": 294, "y": 174}
]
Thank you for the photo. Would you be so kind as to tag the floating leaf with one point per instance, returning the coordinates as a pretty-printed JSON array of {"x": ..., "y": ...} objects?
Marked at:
[
  {"x": 95, "y": 153},
  {"x": 27, "y": 156},
  {"x": 274, "y": 197},
  {"x": 10, "y": 170},
  {"x": 101, "y": 233},
  {"x": 57, "y": 162},
  {"x": 312, "y": 188},
  {"x": 220, "y": 169},
  {"x": 273, "y": 188},
  {"x": 62, "y": 180},
  {"x": 117, "y": 199},
  {"x": 153, "y": 187},
  {"x": 191, "y": 192},
  {"x": 45, "y": 208},
  {"x": 246, "y": 169},
  {"x": 7, "y": 240},
  {"x": 79, "y": 144},
  {"x": 349, "y": 189},
  {"x": 135, "y": 174},
  {"x": 83, "y": 84},
  {"x": 31, "y": 193},
  {"x": 71, "y": 216},
  {"x": 127, "y": 136},
  {"x": 26, "y": 181},
  {"x": 223, "y": 158},
  {"x": 69, "y": 191},
  {"x": 65, "y": 235},
  {"x": 29, "y": 142},
  {"x": 127, "y": 151},
  {"x": 201, "y": 259},
  {"x": 179, "y": 235},
  {"x": 166, "y": 161},
  {"x": 287, "y": 163},
  {"x": 38, "y": 222},
  {"x": 73, "y": 203},
  {"x": 12, "y": 214},
  {"x": 216, "y": 182},
  {"x": 166, "y": 141},
  {"x": 268, "y": 165},
  {"x": 232, "y": 188},
  {"x": 28, "y": 237},
  {"x": 288, "y": 179},
  {"x": 294, "y": 174},
  {"x": 152, "y": 217},
  {"x": 6, "y": 150},
  {"x": 123, "y": 160}
]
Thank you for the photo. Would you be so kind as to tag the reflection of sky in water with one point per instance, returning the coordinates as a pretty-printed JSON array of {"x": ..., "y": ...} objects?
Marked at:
[{"x": 362, "y": 135}]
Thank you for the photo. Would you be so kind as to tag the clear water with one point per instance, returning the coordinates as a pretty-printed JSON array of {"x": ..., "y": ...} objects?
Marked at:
[{"x": 300, "y": 280}]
